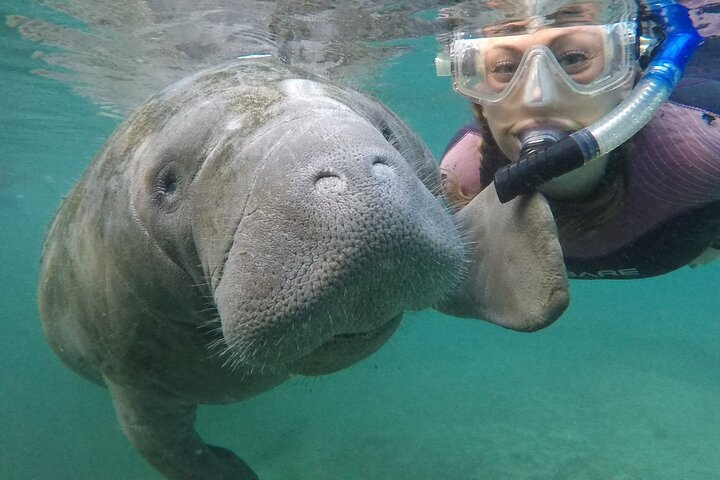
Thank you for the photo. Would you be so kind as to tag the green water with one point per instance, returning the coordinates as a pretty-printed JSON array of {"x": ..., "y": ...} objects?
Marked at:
[{"x": 625, "y": 386}]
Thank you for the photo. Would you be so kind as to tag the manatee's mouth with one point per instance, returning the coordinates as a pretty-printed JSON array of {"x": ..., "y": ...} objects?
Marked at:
[
  {"x": 368, "y": 335},
  {"x": 358, "y": 339},
  {"x": 345, "y": 349}
]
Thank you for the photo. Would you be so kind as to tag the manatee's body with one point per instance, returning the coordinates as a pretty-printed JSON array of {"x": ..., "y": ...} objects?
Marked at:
[
  {"x": 242, "y": 226},
  {"x": 249, "y": 224}
]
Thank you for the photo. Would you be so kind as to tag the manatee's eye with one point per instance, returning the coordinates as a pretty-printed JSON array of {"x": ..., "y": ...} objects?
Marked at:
[
  {"x": 389, "y": 135},
  {"x": 166, "y": 183}
]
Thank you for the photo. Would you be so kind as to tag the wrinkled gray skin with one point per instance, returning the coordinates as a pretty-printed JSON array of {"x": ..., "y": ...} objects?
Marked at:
[{"x": 241, "y": 227}]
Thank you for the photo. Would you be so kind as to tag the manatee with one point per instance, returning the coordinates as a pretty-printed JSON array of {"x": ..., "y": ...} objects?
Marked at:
[
  {"x": 243, "y": 226},
  {"x": 251, "y": 223}
]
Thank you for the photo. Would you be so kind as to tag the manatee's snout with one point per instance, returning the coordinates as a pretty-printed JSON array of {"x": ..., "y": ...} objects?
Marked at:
[{"x": 341, "y": 237}]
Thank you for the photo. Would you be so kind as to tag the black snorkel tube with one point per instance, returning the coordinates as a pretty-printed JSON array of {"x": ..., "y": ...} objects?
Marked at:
[{"x": 547, "y": 158}]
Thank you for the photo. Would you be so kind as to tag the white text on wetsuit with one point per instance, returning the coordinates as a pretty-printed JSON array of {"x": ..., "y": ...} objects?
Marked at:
[{"x": 622, "y": 272}]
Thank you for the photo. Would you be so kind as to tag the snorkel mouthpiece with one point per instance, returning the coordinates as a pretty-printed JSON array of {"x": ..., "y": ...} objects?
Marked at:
[
  {"x": 538, "y": 165},
  {"x": 535, "y": 139},
  {"x": 541, "y": 159}
]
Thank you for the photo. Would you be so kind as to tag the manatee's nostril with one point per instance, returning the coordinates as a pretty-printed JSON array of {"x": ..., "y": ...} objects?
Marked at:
[
  {"x": 380, "y": 161},
  {"x": 329, "y": 182},
  {"x": 380, "y": 167}
]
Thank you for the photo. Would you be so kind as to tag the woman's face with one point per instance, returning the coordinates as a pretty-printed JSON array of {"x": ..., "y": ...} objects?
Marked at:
[{"x": 541, "y": 97}]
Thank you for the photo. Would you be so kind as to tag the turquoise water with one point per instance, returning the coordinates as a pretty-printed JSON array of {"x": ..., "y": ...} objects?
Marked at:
[{"x": 625, "y": 386}]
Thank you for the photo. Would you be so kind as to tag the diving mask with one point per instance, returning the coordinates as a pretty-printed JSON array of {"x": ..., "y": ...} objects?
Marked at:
[
  {"x": 475, "y": 22},
  {"x": 587, "y": 59}
]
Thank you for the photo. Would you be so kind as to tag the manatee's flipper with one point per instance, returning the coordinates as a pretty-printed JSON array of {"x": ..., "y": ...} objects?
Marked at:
[
  {"x": 516, "y": 276},
  {"x": 161, "y": 428}
]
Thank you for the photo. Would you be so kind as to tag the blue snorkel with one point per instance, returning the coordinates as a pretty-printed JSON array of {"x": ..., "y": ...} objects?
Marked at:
[{"x": 550, "y": 158}]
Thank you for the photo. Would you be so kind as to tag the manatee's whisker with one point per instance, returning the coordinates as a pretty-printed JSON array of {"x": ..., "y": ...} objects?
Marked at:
[{"x": 208, "y": 309}]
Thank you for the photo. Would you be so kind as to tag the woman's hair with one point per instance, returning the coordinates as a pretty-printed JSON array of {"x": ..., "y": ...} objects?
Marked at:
[
  {"x": 575, "y": 217},
  {"x": 491, "y": 157}
]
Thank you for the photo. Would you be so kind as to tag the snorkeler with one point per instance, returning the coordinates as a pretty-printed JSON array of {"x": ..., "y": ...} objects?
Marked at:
[{"x": 538, "y": 72}]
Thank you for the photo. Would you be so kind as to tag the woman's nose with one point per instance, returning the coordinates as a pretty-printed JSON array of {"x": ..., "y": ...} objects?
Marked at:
[{"x": 539, "y": 89}]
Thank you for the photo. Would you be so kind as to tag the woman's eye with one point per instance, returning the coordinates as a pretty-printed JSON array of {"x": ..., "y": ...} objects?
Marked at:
[
  {"x": 573, "y": 61},
  {"x": 504, "y": 70}
]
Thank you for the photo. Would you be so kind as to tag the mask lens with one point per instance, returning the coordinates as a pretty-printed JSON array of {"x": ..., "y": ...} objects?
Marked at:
[{"x": 590, "y": 59}]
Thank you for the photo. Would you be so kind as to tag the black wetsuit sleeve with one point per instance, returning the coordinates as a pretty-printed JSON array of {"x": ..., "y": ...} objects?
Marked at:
[{"x": 701, "y": 93}]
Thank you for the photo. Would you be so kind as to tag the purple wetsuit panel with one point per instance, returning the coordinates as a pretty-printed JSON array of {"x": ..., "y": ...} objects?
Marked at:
[
  {"x": 472, "y": 127},
  {"x": 461, "y": 160},
  {"x": 671, "y": 210}
]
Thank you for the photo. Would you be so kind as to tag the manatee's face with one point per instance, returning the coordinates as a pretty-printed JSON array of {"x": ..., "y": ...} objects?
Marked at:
[{"x": 315, "y": 231}]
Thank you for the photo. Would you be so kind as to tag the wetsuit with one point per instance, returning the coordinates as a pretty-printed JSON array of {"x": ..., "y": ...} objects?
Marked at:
[{"x": 670, "y": 212}]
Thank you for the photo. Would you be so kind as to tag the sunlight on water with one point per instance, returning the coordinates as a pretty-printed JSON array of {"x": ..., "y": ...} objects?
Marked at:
[{"x": 625, "y": 386}]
